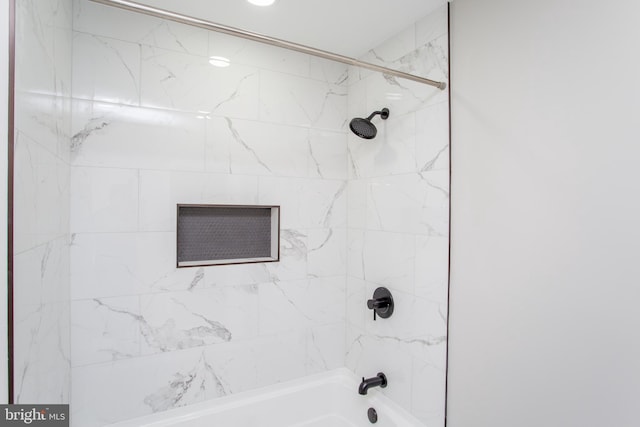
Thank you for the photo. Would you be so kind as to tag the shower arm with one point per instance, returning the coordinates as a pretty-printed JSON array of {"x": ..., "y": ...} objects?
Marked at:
[
  {"x": 372, "y": 115},
  {"x": 208, "y": 25}
]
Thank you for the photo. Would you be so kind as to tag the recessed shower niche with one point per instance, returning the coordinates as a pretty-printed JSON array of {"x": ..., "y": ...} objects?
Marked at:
[{"x": 227, "y": 234}]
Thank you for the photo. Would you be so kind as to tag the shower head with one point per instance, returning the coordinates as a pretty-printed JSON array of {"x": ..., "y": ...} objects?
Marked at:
[{"x": 364, "y": 128}]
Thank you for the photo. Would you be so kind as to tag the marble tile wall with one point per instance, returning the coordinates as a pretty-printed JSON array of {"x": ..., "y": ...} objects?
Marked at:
[
  {"x": 154, "y": 124},
  {"x": 145, "y": 123},
  {"x": 398, "y": 213},
  {"x": 41, "y": 201}
]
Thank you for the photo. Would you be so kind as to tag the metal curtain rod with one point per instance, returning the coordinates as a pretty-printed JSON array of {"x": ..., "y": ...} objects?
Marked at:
[{"x": 183, "y": 19}]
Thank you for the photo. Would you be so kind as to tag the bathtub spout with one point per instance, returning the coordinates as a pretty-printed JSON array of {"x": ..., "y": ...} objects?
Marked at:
[{"x": 379, "y": 380}]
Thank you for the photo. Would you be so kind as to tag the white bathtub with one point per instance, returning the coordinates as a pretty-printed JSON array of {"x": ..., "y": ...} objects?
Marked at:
[{"x": 329, "y": 399}]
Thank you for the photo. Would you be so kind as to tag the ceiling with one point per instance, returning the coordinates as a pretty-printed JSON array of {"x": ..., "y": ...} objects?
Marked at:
[{"x": 347, "y": 27}]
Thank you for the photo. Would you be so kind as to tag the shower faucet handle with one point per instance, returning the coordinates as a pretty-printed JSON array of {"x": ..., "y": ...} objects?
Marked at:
[
  {"x": 378, "y": 303},
  {"x": 381, "y": 303}
]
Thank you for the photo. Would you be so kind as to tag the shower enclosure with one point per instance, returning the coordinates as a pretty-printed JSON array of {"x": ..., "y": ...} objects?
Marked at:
[{"x": 120, "y": 117}]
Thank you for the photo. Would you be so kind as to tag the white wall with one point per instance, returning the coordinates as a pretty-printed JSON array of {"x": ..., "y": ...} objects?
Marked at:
[{"x": 545, "y": 236}]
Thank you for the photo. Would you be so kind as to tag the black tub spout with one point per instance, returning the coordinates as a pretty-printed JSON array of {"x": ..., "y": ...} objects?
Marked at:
[{"x": 379, "y": 380}]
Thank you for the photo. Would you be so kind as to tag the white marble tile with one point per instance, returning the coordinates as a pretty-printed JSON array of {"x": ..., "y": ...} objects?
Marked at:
[
  {"x": 391, "y": 152},
  {"x": 104, "y": 330},
  {"x": 178, "y": 378},
  {"x": 189, "y": 83},
  {"x": 433, "y": 354},
  {"x": 355, "y": 253},
  {"x": 432, "y": 138},
  {"x": 162, "y": 381},
  {"x": 297, "y": 305},
  {"x": 293, "y": 257},
  {"x": 43, "y": 47},
  {"x": 249, "y": 147},
  {"x": 63, "y": 62},
  {"x": 428, "y": 391},
  {"x": 327, "y": 252},
  {"x": 356, "y": 97},
  {"x": 41, "y": 274},
  {"x": 324, "y": 203},
  {"x": 196, "y": 382},
  {"x": 357, "y": 203},
  {"x": 281, "y": 357},
  {"x": 328, "y": 71},
  {"x": 403, "y": 51},
  {"x": 236, "y": 363},
  {"x": 119, "y": 264},
  {"x": 435, "y": 210},
  {"x": 389, "y": 52},
  {"x": 331, "y": 296},
  {"x": 432, "y": 25},
  {"x": 434, "y": 63},
  {"x": 45, "y": 120},
  {"x": 104, "y": 199},
  {"x": 103, "y": 265},
  {"x": 425, "y": 59},
  {"x": 52, "y": 13},
  {"x": 90, "y": 17},
  {"x": 432, "y": 268},
  {"x": 121, "y": 136},
  {"x": 173, "y": 379},
  {"x": 258, "y": 55},
  {"x": 367, "y": 355},
  {"x": 41, "y": 352},
  {"x": 298, "y": 101},
  {"x": 401, "y": 96},
  {"x": 326, "y": 348},
  {"x": 105, "y": 69},
  {"x": 41, "y": 202},
  {"x": 237, "y": 274},
  {"x": 395, "y": 203},
  {"x": 26, "y": 274},
  {"x": 388, "y": 259},
  {"x": 161, "y": 191},
  {"x": 198, "y": 317},
  {"x": 415, "y": 321},
  {"x": 357, "y": 148},
  {"x": 297, "y": 157},
  {"x": 306, "y": 203},
  {"x": 357, "y": 302},
  {"x": 355, "y": 76},
  {"x": 327, "y": 154},
  {"x": 41, "y": 199}
]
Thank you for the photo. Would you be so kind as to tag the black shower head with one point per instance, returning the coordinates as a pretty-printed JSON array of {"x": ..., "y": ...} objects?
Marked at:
[{"x": 364, "y": 128}]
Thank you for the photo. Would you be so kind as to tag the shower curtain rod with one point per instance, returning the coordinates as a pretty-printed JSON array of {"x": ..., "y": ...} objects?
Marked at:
[{"x": 183, "y": 19}]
